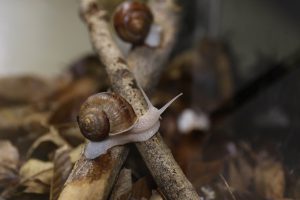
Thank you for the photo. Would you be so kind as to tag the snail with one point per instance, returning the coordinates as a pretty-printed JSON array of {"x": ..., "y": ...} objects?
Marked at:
[
  {"x": 108, "y": 120},
  {"x": 133, "y": 22}
]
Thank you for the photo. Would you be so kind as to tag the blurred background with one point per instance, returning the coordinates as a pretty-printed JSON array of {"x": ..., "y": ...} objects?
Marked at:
[
  {"x": 40, "y": 37},
  {"x": 47, "y": 35}
]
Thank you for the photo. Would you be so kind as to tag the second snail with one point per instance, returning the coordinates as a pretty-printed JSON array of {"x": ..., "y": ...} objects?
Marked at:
[
  {"x": 108, "y": 120},
  {"x": 134, "y": 23}
]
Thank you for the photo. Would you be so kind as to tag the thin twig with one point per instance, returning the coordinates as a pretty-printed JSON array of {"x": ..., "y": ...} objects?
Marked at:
[{"x": 227, "y": 186}]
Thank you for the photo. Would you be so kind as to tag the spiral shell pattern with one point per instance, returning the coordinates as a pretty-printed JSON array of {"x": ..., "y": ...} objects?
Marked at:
[
  {"x": 105, "y": 114},
  {"x": 132, "y": 21}
]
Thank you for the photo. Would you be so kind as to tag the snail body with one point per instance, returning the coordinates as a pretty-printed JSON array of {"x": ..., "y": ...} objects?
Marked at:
[{"x": 140, "y": 130}]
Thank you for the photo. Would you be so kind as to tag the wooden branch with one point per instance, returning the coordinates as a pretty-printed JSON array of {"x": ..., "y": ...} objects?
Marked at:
[
  {"x": 93, "y": 179},
  {"x": 165, "y": 171},
  {"x": 147, "y": 63},
  {"x": 84, "y": 182}
]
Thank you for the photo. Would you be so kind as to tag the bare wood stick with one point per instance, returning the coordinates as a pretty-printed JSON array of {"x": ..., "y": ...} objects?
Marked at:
[
  {"x": 164, "y": 169},
  {"x": 148, "y": 72},
  {"x": 176, "y": 186},
  {"x": 90, "y": 179}
]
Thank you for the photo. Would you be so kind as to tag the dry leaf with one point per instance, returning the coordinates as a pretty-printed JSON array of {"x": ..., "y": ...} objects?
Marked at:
[
  {"x": 46, "y": 144},
  {"x": 240, "y": 173},
  {"x": 36, "y": 176},
  {"x": 201, "y": 173},
  {"x": 67, "y": 111},
  {"x": 61, "y": 171},
  {"x": 9, "y": 159},
  {"x": 88, "y": 66},
  {"x": 23, "y": 89},
  {"x": 155, "y": 196},
  {"x": 80, "y": 88},
  {"x": 15, "y": 117},
  {"x": 269, "y": 177},
  {"x": 141, "y": 189},
  {"x": 76, "y": 153},
  {"x": 71, "y": 133},
  {"x": 123, "y": 186}
]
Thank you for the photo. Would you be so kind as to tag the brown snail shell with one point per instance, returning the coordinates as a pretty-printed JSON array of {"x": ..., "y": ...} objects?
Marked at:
[
  {"x": 105, "y": 114},
  {"x": 132, "y": 21}
]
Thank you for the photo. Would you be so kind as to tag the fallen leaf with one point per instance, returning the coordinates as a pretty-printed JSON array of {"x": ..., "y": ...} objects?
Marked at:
[
  {"x": 61, "y": 171},
  {"x": 46, "y": 144},
  {"x": 269, "y": 179},
  {"x": 141, "y": 189},
  {"x": 67, "y": 111},
  {"x": 29, "y": 89},
  {"x": 9, "y": 160},
  {"x": 240, "y": 173},
  {"x": 123, "y": 186},
  {"x": 18, "y": 116},
  {"x": 81, "y": 88},
  {"x": 76, "y": 153},
  {"x": 36, "y": 176},
  {"x": 88, "y": 66},
  {"x": 71, "y": 133},
  {"x": 201, "y": 173},
  {"x": 155, "y": 196}
]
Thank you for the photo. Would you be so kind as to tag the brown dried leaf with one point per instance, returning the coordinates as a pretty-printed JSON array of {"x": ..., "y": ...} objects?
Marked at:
[
  {"x": 69, "y": 100},
  {"x": 240, "y": 173},
  {"x": 71, "y": 133},
  {"x": 61, "y": 171},
  {"x": 67, "y": 111},
  {"x": 36, "y": 176},
  {"x": 155, "y": 196},
  {"x": 187, "y": 151},
  {"x": 89, "y": 66},
  {"x": 269, "y": 177},
  {"x": 76, "y": 153},
  {"x": 15, "y": 117},
  {"x": 141, "y": 189},
  {"x": 123, "y": 186},
  {"x": 29, "y": 89},
  {"x": 201, "y": 173},
  {"x": 9, "y": 159},
  {"x": 46, "y": 144}
]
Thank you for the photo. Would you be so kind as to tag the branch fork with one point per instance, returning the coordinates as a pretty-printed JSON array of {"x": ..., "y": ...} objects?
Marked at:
[{"x": 90, "y": 179}]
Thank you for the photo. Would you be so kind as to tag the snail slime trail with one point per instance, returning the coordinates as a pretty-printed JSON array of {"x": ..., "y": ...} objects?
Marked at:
[{"x": 108, "y": 120}]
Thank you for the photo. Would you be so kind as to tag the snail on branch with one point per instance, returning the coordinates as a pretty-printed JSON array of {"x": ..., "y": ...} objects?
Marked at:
[
  {"x": 133, "y": 22},
  {"x": 108, "y": 120}
]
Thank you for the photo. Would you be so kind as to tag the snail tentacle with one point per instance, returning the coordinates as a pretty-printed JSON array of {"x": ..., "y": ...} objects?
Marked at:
[
  {"x": 146, "y": 97},
  {"x": 162, "y": 109}
]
